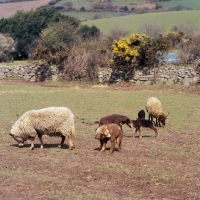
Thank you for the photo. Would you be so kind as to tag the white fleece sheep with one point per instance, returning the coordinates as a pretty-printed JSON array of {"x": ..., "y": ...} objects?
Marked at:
[
  {"x": 52, "y": 121},
  {"x": 154, "y": 108}
]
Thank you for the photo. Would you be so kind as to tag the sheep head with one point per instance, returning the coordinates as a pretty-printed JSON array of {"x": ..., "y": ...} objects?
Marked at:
[
  {"x": 102, "y": 132},
  {"x": 162, "y": 117}
]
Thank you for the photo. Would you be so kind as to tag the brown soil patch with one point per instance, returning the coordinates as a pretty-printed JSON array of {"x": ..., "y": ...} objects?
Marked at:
[{"x": 8, "y": 9}]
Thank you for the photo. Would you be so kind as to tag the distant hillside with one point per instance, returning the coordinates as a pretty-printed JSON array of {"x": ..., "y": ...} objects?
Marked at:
[
  {"x": 8, "y": 9},
  {"x": 133, "y": 22}
]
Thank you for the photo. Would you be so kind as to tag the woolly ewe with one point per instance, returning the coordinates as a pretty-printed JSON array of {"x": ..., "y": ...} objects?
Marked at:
[
  {"x": 154, "y": 108},
  {"x": 52, "y": 121}
]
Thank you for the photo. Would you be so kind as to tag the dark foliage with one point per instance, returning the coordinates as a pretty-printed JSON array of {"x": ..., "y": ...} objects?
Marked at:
[
  {"x": 25, "y": 27},
  {"x": 87, "y": 32}
]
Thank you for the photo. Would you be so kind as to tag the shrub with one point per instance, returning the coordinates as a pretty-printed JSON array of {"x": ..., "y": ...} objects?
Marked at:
[
  {"x": 7, "y": 47},
  {"x": 141, "y": 50},
  {"x": 57, "y": 35},
  {"x": 87, "y": 32},
  {"x": 84, "y": 60},
  {"x": 190, "y": 53}
]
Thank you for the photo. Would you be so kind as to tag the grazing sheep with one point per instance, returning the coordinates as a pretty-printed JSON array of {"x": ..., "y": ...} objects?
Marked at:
[
  {"x": 115, "y": 119},
  {"x": 112, "y": 132},
  {"x": 154, "y": 108},
  {"x": 139, "y": 123},
  {"x": 52, "y": 121},
  {"x": 141, "y": 114}
]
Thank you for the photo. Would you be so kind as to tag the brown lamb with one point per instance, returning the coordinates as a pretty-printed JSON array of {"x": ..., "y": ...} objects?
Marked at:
[
  {"x": 112, "y": 132},
  {"x": 115, "y": 119}
]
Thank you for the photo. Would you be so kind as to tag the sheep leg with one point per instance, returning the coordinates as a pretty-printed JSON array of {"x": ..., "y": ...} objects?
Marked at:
[
  {"x": 136, "y": 129},
  {"x": 41, "y": 141},
  {"x": 112, "y": 141},
  {"x": 32, "y": 143},
  {"x": 119, "y": 142},
  {"x": 156, "y": 121},
  {"x": 155, "y": 130},
  {"x": 140, "y": 133},
  {"x": 101, "y": 144},
  {"x": 71, "y": 145},
  {"x": 104, "y": 145},
  {"x": 62, "y": 141}
]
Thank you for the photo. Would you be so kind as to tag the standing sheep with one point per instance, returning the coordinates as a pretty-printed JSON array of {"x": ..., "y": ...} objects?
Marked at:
[
  {"x": 154, "y": 108},
  {"x": 52, "y": 121}
]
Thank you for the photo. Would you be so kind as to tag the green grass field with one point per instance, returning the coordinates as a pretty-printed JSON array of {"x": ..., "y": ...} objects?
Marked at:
[
  {"x": 89, "y": 4},
  {"x": 84, "y": 16},
  {"x": 195, "y": 4},
  {"x": 93, "y": 103},
  {"x": 166, "y": 167},
  {"x": 133, "y": 22}
]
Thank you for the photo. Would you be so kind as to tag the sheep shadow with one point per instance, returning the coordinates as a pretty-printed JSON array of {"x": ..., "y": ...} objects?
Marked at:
[{"x": 46, "y": 146}]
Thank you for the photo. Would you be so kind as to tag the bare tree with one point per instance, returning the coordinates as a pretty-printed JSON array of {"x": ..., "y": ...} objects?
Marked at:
[
  {"x": 116, "y": 34},
  {"x": 188, "y": 27},
  {"x": 152, "y": 29},
  {"x": 7, "y": 47}
]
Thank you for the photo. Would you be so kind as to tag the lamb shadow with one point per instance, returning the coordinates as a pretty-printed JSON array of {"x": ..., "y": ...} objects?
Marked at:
[
  {"x": 145, "y": 136},
  {"x": 107, "y": 149},
  {"x": 128, "y": 136}
]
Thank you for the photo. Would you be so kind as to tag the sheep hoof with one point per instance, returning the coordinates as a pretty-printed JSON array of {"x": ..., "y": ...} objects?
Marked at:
[
  {"x": 59, "y": 146},
  {"x": 31, "y": 148}
]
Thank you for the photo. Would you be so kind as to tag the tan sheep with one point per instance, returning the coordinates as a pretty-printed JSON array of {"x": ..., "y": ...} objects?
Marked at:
[
  {"x": 52, "y": 121},
  {"x": 154, "y": 108}
]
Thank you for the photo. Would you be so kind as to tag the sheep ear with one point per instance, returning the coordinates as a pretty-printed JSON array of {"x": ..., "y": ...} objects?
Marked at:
[
  {"x": 11, "y": 134},
  {"x": 107, "y": 133},
  {"x": 108, "y": 136}
]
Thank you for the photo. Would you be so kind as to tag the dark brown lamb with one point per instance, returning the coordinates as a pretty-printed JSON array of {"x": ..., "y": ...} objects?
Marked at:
[{"x": 116, "y": 119}]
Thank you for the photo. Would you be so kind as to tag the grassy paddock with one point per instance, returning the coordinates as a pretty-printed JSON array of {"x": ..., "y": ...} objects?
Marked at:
[
  {"x": 94, "y": 102},
  {"x": 15, "y": 63},
  {"x": 166, "y": 167}
]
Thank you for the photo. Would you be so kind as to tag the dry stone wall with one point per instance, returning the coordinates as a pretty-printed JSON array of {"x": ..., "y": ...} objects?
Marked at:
[
  {"x": 166, "y": 75},
  {"x": 31, "y": 73}
]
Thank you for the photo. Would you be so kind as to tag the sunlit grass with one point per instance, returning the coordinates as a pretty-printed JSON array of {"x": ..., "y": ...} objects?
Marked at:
[{"x": 90, "y": 104}]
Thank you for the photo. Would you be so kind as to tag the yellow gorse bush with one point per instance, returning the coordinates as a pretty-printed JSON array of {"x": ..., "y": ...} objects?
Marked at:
[
  {"x": 142, "y": 50},
  {"x": 126, "y": 50}
]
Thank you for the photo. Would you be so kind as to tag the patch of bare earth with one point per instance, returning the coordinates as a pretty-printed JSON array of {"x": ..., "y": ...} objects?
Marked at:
[
  {"x": 8, "y": 9},
  {"x": 167, "y": 168}
]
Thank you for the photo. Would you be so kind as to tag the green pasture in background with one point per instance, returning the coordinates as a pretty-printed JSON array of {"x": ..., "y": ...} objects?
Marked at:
[{"x": 132, "y": 23}]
